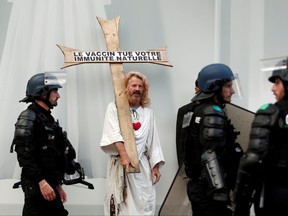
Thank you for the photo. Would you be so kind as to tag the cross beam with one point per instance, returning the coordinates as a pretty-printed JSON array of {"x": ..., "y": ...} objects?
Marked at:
[{"x": 116, "y": 58}]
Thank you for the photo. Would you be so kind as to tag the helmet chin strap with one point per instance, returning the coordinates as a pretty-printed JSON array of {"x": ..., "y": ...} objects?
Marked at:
[
  {"x": 285, "y": 85},
  {"x": 220, "y": 98},
  {"x": 46, "y": 100}
]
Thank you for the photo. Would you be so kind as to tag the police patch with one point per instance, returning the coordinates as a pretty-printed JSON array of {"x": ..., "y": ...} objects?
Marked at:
[{"x": 187, "y": 119}]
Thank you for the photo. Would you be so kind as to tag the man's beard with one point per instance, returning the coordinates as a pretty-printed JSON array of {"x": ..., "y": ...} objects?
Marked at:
[
  {"x": 52, "y": 105},
  {"x": 134, "y": 100}
]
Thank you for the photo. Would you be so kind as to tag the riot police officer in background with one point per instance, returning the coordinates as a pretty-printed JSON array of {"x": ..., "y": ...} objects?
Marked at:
[
  {"x": 263, "y": 170},
  {"x": 182, "y": 126},
  {"x": 43, "y": 151},
  {"x": 210, "y": 150}
]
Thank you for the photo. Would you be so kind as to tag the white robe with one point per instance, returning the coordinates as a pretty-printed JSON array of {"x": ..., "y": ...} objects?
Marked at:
[{"x": 141, "y": 196}]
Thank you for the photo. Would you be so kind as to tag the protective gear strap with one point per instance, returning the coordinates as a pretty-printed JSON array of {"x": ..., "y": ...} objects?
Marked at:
[
  {"x": 212, "y": 128},
  {"x": 249, "y": 172},
  {"x": 70, "y": 155},
  {"x": 45, "y": 100}
]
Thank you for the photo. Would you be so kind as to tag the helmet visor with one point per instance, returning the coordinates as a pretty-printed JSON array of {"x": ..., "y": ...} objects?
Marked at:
[
  {"x": 232, "y": 84},
  {"x": 55, "y": 78},
  {"x": 274, "y": 67},
  {"x": 236, "y": 85}
]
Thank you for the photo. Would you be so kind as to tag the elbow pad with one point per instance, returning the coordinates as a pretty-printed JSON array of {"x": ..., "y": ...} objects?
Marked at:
[{"x": 211, "y": 166}]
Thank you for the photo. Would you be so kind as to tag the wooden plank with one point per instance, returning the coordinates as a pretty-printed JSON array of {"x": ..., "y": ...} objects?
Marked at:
[
  {"x": 75, "y": 57},
  {"x": 110, "y": 30}
]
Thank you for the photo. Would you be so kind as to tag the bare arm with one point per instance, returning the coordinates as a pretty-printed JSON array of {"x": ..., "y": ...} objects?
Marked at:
[
  {"x": 155, "y": 173},
  {"x": 47, "y": 191},
  {"x": 124, "y": 158}
]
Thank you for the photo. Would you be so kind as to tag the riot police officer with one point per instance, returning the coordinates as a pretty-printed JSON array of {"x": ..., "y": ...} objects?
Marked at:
[
  {"x": 210, "y": 144},
  {"x": 182, "y": 126},
  {"x": 263, "y": 170},
  {"x": 43, "y": 150}
]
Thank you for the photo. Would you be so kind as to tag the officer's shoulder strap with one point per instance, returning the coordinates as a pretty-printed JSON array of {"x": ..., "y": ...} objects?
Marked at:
[{"x": 213, "y": 109}]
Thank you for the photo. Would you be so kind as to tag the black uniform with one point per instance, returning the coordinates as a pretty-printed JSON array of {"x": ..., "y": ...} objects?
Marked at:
[
  {"x": 40, "y": 146},
  {"x": 263, "y": 170},
  {"x": 211, "y": 158}
]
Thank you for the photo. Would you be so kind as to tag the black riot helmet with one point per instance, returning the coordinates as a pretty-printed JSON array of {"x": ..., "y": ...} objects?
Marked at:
[
  {"x": 40, "y": 85},
  {"x": 280, "y": 71},
  {"x": 211, "y": 79}
]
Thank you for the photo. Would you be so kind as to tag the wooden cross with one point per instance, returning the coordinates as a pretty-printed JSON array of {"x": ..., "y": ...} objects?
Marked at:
[{"x": 115, "y": 57}]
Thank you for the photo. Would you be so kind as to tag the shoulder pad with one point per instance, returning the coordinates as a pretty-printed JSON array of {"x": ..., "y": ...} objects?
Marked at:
[
  {"x": 28, "y": 114},
  {"x": 24, "y": 123},
  {"x": 23, "y": 128},
  {"x": 266, "y": 115},
  {"x": 268, "y": 108},
  {"x": 212, "y": 132},
  {"x": 265, "y": 119}
]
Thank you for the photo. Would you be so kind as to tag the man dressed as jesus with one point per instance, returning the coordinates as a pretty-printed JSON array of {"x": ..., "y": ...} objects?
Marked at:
[{"x": 132, "y": 193}]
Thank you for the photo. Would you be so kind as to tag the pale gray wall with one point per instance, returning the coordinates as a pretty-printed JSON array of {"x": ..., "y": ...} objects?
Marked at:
[{"x": 5, "y": 9}]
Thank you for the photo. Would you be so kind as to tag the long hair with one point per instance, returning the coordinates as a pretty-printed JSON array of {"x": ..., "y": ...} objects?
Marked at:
[{"x": 145, "y": 100}]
